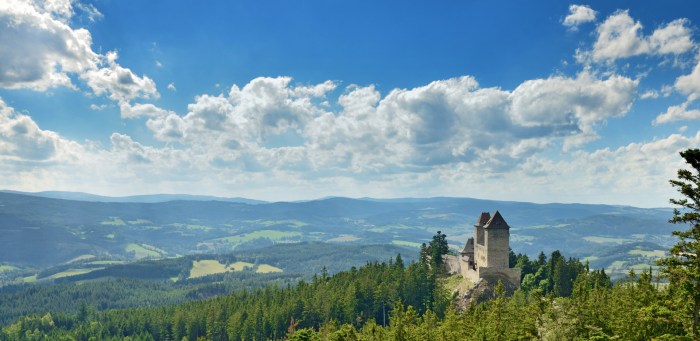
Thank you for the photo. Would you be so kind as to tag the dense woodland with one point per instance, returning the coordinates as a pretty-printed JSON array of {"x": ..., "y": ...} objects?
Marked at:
[{"x": 560, "y": 299}]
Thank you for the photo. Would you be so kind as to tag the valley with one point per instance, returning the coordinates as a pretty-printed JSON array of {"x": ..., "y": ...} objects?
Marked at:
[{"x": 50, "y": 239}]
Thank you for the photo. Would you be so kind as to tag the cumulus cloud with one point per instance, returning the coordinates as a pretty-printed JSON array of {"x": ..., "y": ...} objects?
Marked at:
[
  {"x": 46, "y": 52},
  {"x": 689, "y": 85},
  {"x": 142, "y": 110},
  {"x": 620, "y": 36},
  {"x": 677, "y": 113},
  {"x": 21, "y": 139},
  {"x": 120, "y": 83},
  {"x": 444, "y": 122},
  {"x": 649, "y": 94},
  {"x": 579, "y": 14}
]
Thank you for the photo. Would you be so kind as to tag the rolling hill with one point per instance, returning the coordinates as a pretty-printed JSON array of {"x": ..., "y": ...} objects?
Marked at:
[{"x": 40, "y": 232}]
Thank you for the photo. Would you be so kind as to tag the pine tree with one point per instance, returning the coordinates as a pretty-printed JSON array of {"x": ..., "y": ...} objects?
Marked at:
[{"x": 683, "y": 266}]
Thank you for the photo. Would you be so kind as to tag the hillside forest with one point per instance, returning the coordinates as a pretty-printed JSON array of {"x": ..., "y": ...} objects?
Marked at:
[{"x": 560, "y": 299}]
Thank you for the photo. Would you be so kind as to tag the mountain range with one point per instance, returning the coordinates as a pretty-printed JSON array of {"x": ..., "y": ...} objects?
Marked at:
[{"x": 52, "y": 228}]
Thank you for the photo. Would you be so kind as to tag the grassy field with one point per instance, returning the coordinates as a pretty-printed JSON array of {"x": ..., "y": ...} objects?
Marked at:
[
  {"x": 7, "y": 268},
  {"x": 207, "y": 267},
  {"x": 606, "y": 240},
  {"x": 143, "y": 251},
  {"x": 107, "y": 262},
  {"x": 81, "y": 257},
  {"x": 289, "y": 223},
  {"x": 457, "y": 283},
  {"x": 383, "y": 229},
  {"x": 653, "y": 253},
  {"x": 344, "y": 238},
  {"x": 139, "y": 222},
  {"x": 240, "y": 266},
  {"x": 201, "y": 268},
  {"x": 72, "y": 272},
  {"x": 265, "y": 268},
  {"x": 114, "y": 221},
  {"x": 270, "y": 234},
  {"x": 405, "y": 243}
]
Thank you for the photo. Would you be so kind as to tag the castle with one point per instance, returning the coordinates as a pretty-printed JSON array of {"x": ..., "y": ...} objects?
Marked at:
[{"x": 486, "y": 255}]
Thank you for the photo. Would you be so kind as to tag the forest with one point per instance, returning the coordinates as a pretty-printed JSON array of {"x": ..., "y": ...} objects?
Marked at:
[{"x": 559, "y": 299}]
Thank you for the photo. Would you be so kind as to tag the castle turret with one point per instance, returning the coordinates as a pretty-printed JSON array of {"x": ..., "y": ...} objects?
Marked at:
[
  {"x": 497, "y": 237},
  {"x": 479, "y": 241}
]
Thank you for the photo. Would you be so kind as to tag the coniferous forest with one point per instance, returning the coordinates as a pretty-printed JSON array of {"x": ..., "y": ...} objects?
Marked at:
[{"x": 560, "y": 299}]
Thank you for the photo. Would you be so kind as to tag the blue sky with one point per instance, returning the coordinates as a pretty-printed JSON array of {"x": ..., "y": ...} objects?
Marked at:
[{"x": 541, "y": 101}]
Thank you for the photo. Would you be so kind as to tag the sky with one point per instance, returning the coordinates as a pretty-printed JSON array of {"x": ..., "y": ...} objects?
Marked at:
[{"x": 538, "y": 101}]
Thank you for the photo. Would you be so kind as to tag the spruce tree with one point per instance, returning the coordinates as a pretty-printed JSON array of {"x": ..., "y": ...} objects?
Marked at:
[{"x": 683, "y": 266}]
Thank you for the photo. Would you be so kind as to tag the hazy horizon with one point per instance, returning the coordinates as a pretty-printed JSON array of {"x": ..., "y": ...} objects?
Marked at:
[{"x": 533, "y": 102}]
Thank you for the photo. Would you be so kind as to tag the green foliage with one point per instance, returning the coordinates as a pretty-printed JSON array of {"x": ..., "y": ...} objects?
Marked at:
[
  {"x": 683, "y": 266},
  {"x": 433, "y": 252},
  {"x": 555, "y": 276}
]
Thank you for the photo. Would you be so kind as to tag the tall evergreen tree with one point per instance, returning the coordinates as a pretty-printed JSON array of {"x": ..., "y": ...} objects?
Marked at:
[{"x": 683, "y": 266}]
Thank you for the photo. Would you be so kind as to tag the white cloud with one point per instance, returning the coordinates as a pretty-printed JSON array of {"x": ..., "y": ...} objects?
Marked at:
[
  {"x": 120, "y": 83},
  {"x": 98, "y": 107},
  {"x": 21, "y": 139},
  {"x": 579, "y": 14},
  {"x": 142, "y": 110},
  {"x": 408, "y": 130},
  {"x": 171, "y": 87},
  {"x": 677, "y": 113},
  {"x": 649, "y": 94},
  {"x": 46, "y": 52},
  {"x": 674, "y": 38},
  {"x": 689, "y": 85},
  {"x": 89, "y": 11},
  {"x": 619, "y": 36}
]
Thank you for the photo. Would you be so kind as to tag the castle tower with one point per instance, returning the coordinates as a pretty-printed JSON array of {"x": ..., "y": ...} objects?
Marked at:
[
  {"x": 479, "y": 239},
  {"x": 496, "y": 237}
]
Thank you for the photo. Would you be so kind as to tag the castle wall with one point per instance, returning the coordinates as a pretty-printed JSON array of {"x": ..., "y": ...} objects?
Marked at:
[
  {"x": 497, "y": 248},
  {"x": 511, "y": 275}
]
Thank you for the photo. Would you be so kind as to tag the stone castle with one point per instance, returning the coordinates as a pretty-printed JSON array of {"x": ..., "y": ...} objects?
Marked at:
[{"x": 485, "y": 256}]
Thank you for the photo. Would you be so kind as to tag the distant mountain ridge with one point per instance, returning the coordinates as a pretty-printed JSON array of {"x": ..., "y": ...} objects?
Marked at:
[
  {"x": 41, "y": 231},
  {"x": 146, "y": 198}
]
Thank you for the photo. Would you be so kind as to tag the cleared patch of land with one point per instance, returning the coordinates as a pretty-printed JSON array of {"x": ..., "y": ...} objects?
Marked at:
[
  {"x": 457, "y": 283},
  {"x": 266, "y": 268},
  {"x": 240, "y": 266},
  {"x": 274, "y": 235},
  {"x": 107, "y": 262},
  {"x": 405, "y": 243},
  {"x": 114, "y": 221},
  {"x": 81, "y": 257},
  {"x": 344, "y": 238},
  {"x": 606, "y": 240},
  {"x": 652, "y": 253},
  {"x": 143, "y": 251},
  {"x": 7, "y": 268},
  {"x": 72, "y": 272},
  {"x": 206, "y": 267},
  {"x": 289, "y": 222},
  {"x": 139, "y": 222},
  {"x": 382, "y": 229},
  {"x": 110, "y": 236}
]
